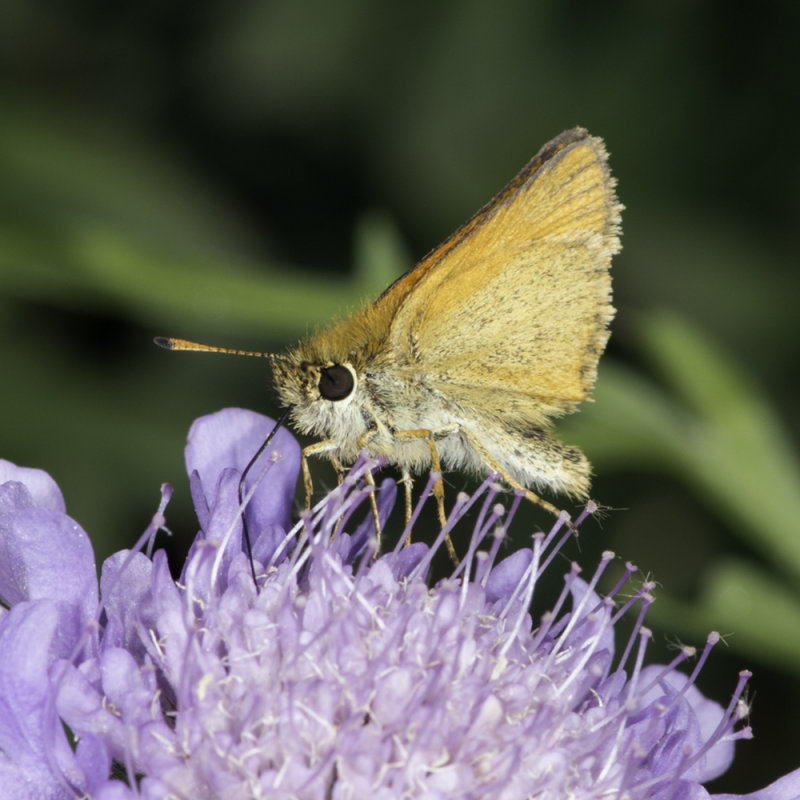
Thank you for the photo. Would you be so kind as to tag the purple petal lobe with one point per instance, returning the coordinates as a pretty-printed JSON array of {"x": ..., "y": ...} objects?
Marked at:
[
  {"x": 126, "y": 586},
  {"x": 43, "y": 554},
  {"x": 504, "y": 578},
  {"x": 34, "y": 751},
  {"x": 707, "y": 714},
  {"x": 43, "y": 488},
  {"x": 229, "y": 439}
]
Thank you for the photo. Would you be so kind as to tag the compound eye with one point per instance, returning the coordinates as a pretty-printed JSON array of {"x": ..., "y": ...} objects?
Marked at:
[{"x": 336, "y": 382}]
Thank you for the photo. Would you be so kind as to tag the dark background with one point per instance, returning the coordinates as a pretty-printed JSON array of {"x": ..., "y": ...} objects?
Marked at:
[{"x": 237, "y": 172}]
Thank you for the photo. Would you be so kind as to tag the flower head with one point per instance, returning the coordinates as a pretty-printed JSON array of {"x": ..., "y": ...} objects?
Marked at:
[{"x": 339, "y": 675}]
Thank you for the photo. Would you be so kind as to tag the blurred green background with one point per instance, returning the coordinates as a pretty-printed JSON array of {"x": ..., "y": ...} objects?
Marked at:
[{"x": 238, "y": 172}]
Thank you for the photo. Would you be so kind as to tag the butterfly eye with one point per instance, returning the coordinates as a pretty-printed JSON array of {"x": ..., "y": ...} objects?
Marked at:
[{"x": 336, "y": 382}]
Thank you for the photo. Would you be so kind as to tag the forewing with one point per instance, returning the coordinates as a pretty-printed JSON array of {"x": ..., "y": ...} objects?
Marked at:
[{"x": 517, "y": 302}]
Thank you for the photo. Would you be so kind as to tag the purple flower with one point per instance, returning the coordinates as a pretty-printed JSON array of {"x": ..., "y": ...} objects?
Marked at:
[{"x": 341, "y": 675}]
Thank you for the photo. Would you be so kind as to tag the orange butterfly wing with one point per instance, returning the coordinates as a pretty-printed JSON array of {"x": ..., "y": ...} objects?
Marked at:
[{"x": 516, "y": 303}]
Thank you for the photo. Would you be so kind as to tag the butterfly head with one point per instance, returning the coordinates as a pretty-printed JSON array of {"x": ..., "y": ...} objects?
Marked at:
[{"x": 324, "y": 394}]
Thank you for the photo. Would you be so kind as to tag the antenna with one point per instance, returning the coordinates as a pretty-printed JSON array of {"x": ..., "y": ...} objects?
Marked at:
[{"x": 170, "y": 343}]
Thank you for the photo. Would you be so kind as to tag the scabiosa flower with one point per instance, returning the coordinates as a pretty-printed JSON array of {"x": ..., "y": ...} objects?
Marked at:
[{"x": 340, "y": 675}]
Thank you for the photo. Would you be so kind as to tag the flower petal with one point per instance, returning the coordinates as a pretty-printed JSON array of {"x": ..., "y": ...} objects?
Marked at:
[
  {"x": 229, "y": 439},
  {"x": 43, "y": 488},
  {"x": 44, "y": 554},
  {"x": 34, "y": 751}
]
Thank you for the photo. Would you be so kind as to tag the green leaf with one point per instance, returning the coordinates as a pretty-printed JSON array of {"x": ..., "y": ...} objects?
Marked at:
[{"x": 739, "y": 453}]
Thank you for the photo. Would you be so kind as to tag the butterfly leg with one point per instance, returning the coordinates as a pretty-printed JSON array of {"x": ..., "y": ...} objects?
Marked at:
[
  {"x": 338, "y": 469},
  {"x": 438, "y": 487},
  {"x": 328, "y": 447},
  {"x": 408, "y": 483},
  {"x": 494, "y": 466},
  {"x": 370, "y": 480},
  {"x": 316, "y": 449}
]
